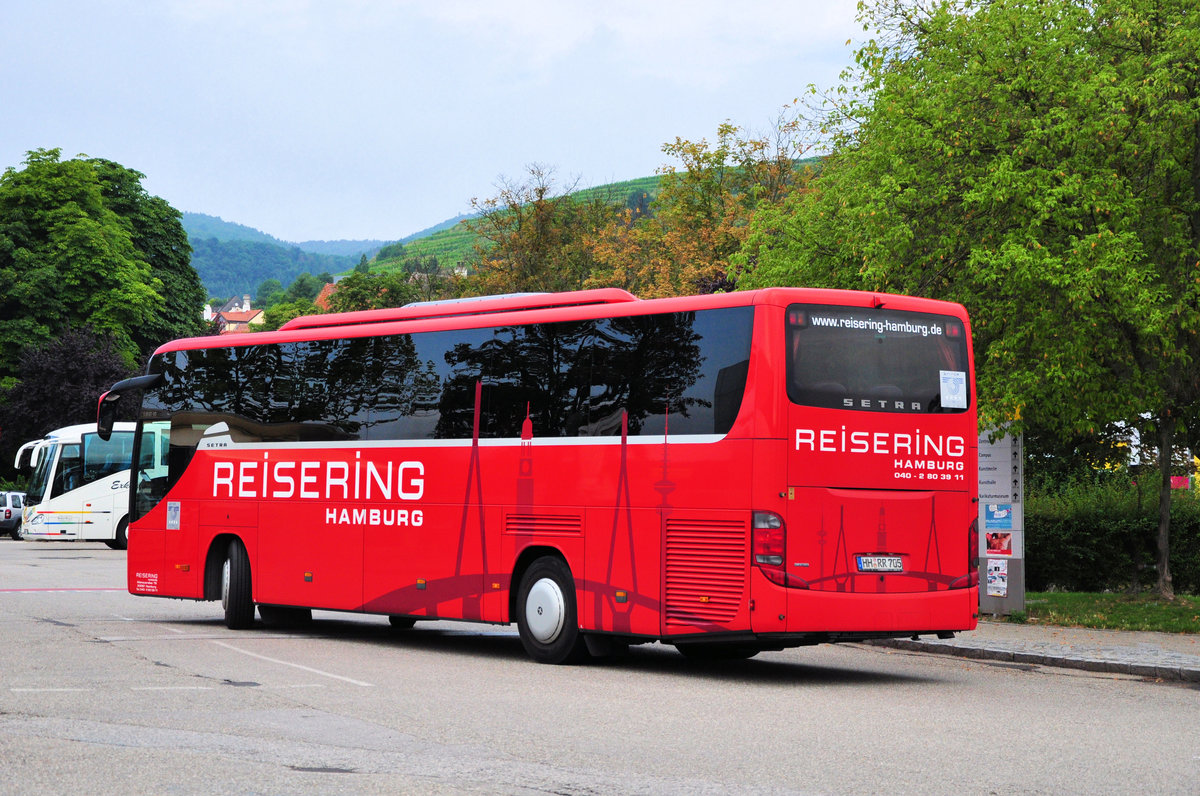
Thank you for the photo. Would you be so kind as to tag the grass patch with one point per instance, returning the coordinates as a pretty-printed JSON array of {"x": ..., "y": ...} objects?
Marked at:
[{"x": 1113, "y": 611}]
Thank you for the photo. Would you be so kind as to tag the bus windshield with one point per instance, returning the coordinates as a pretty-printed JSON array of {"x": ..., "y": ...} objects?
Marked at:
[
  {"x": 876, "y": 360},
  {"x": 102, "y": 458},
  {"x": 40, "y": 476}
]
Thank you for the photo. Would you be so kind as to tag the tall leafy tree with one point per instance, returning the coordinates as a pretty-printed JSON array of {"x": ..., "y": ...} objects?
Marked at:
[
  {"x": 1040, "y": 163},
  {"x": 158, "y": 235},
  {"x": 700, "y": 217},
  {"x": 60, "y": 382},
  {"x": 532, "y": 236},
  {"x": 68, "y": 258}
]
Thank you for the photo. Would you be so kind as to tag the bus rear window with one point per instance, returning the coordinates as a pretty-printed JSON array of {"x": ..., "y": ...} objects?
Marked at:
[{"x": 876, "y": 360}]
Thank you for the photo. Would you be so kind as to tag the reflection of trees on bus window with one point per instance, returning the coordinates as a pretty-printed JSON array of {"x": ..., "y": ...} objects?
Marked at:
[
  {"x": 578, "y": 378},
  {"x": 572, "y": 378}
]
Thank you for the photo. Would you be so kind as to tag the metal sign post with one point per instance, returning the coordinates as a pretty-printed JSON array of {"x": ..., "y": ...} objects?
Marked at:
[{"x": 1001, "y": 525}]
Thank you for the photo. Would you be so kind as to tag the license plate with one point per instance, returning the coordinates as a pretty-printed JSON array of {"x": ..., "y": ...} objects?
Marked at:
[{"x": 880, "y": 564}]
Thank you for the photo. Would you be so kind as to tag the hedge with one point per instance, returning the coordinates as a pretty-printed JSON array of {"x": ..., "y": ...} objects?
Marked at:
[{"x": 1096, "y": 537}]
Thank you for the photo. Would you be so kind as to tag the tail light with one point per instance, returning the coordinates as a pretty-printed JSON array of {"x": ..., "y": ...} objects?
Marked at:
[
  {"x": 971, "y": 579},
  {"x": 768, "y": 548}
]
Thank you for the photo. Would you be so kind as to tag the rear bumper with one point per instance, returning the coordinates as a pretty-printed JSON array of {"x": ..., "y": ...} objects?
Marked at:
[{"x": 882, "y": 615}]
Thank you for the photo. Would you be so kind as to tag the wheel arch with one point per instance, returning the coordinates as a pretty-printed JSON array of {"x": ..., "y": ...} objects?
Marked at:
[{"x": 218, "y": 547}]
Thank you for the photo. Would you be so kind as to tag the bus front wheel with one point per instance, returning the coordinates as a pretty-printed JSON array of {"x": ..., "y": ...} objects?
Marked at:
[
  {"x": 546, "y": 613},
  {"x": 235, "y": 588},
  {"x": 121, "y": 540}
]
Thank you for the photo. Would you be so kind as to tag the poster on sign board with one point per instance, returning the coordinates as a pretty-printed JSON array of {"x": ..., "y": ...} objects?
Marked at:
[{"x": 997, "y": 577}]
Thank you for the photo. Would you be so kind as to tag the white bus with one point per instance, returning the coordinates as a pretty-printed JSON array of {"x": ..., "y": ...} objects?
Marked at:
[{"x": 79, "y": 487}]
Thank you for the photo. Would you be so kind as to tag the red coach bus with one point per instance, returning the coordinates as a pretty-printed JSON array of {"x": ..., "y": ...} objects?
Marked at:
[{"x": 725, "y": 473}]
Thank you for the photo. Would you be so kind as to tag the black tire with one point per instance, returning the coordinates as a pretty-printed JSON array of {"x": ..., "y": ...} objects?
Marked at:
[
  {"x": 121, "y": 541},
  {"x": 718, "y": 651},
  {"x": 235, "y": 588},
  {"x": 285, "y": 616},
  {"x": 402, "y": 622},
  {"x": 15, "y": 533},
  {"x": 547, "y": 617}
]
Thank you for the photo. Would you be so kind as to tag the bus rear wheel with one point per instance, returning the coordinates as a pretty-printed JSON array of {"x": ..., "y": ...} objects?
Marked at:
[
  {"x": 235, "y": 588},
  {"x": 546, "y": 613}
]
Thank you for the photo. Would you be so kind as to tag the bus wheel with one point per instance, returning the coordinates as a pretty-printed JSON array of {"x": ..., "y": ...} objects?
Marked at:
[
  {"x": 402, "y": 622},
  {"x": 235, "y": 588},
  {"x": 546, "y": 615},
  {"x": 121, "y": 541}
]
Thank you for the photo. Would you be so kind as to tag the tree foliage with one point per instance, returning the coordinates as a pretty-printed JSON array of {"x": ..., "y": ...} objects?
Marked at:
[
  {"x": 158, "y": 234},
  {"x": 283, "y": 311},
  {"x": 683, "y": 242},
  {"x": 532, "y": 237},
  {"x": 367, "y": 291},
  {"x": 235, "y": 267},
  {"x": 1040, "y": 163},
  {"x": 69, "y": 257},
  {"x": 60, "y": 382}
]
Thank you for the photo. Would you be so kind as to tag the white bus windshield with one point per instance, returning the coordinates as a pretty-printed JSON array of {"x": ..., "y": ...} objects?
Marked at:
[{"x": 40, "y": 477}]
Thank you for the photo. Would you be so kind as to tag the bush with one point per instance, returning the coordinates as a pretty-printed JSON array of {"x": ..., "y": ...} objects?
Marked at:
[{"x": 1099, "y": 535}]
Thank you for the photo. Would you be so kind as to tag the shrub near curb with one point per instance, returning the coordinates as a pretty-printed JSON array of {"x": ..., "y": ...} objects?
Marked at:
[{"x": 1094, "y": 537}]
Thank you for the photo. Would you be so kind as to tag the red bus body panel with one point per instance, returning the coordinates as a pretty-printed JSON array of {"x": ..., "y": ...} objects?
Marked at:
[{"x": 656, "y": 532}]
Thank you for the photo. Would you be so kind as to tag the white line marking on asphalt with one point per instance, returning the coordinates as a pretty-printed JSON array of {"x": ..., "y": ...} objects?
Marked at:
[
  {"x": 294, "y": 665},
  {"x": 172, "y": 688},
  {"x": 49, "y": 690}
]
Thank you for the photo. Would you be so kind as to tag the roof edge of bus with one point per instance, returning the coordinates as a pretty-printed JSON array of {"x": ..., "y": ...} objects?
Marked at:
[
  {"x": 874, "y": 299},
  {"x": 474, "y": 305},
  {"x": 78, "y": 429},
  {"x": 513, "y": 306}
]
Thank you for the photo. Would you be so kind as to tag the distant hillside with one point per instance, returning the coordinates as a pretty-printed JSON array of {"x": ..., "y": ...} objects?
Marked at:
[
  {"x": 233, "y": 259},
  {"x": 234, "y": 268},
  {"x": 199, "y": 225},
  {"x": 453, "y": 244}
]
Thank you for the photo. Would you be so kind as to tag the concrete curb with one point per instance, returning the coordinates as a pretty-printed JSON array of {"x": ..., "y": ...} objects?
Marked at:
[{"x": 1142, "y": 660}]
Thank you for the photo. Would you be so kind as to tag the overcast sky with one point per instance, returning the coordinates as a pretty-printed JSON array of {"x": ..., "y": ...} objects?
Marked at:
[{"x": 370, "y": 119}]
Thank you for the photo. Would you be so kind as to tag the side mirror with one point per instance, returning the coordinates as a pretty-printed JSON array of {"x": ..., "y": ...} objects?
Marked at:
[
  {"x": 106, "y": 408},
  {"x": 106, "y": 414}
]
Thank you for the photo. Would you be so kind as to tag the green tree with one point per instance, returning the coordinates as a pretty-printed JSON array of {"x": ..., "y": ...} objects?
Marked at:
[
  {"x": 269, "y": 291},
  {"x": 701, "y": 214},
  {"x": 392, "y": 251},
  {"x": 305, "y": 286},
  {"x": 159, "y": 236},
  {"x": 280, "y": 313},
  {"x": 1040, "y": 163},
  {"x": 60, "y": 381},
  {"x": 369, "y": 291},
  {"x": 68, "y": 258},
  {"x": 532, "y": 237},
  {"x": 363, "y": 267}
]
